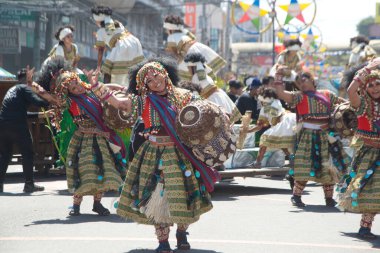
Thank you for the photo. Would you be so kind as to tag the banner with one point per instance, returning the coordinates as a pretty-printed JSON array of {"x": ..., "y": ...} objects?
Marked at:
[{"x": 191, "y": 16}]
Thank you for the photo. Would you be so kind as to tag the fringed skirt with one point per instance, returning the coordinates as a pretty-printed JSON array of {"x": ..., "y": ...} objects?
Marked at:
[
  {"x": 359, "y": 191},
  {"x": 90, "y": 165},
  {"x": 161, "y": 187},
  {"x": 213, "y": 60},
  {"x": 282, "y": 135},
  {"x": 318, "y": 160}
]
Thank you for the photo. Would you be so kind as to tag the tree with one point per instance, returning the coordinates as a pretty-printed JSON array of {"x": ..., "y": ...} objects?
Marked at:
[{"x": 363, "y": 26}]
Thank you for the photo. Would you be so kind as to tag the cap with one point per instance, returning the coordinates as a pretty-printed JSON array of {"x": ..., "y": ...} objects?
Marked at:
[{"x": 252, "y": 82}]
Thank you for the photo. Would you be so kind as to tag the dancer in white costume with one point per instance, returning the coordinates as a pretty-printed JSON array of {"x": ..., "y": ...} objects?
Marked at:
[
  {"x": 126, "y": 50},
  {"x": 281, "y": 133},
  {"x": 200, "y": 75},
  {"x": 181, "y": 42}
]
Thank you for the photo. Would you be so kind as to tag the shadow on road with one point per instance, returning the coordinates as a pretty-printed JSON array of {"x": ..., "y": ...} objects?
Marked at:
[
  {"x": 375, "y": 242},
  {"x": 83, "y": 218},
  {"x": 178, "y": 251},
  {"x": 316, "y": 209},
  {"x": 228, "y": 192}
]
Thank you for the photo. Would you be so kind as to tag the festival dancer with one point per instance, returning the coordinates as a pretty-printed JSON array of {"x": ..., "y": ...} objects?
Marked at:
[
  {"x": 94, "y": 161},
  {"x": 289, "y": 60},
  {"x": 199, "y": 70},
  {"x": 314, "y": 142},
  {"x": 180, "y": 42},
  {"x": 281, "y": 134},
  {"x": 126, "y": 50},
  {"x": 165, "y": 184},
  {"x": 65, "y": 47},
  {"x": 360, "y": 188},
  {"x": 361, "y": 51}
]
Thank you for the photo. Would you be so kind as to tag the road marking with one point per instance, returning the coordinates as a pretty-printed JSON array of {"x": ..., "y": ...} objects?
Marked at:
[{"x": 275, "y": 243}]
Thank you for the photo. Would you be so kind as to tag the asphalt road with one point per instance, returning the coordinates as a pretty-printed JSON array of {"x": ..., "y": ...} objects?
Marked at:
[{"x": 249, "y": 215}]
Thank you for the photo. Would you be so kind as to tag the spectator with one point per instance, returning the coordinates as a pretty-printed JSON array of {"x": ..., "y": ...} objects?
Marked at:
[
  {"x": 14, "y": 130},
  {"x": 235, "y": 89},
  {"x": 247, "y": 101}
]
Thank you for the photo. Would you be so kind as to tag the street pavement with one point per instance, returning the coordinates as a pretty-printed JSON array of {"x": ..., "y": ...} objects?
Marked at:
[{"x": 249, "y": 215}]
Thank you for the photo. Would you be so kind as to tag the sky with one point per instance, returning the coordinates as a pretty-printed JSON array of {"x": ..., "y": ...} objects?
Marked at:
[{"x": 337, "y": 19}]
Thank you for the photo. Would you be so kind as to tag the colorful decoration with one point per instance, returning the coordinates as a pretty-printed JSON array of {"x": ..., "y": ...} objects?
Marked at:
[
  {"x": 261, "y": 14},
  {"x": 249, "y": 11},
  {"x": 311, "y": 39}
]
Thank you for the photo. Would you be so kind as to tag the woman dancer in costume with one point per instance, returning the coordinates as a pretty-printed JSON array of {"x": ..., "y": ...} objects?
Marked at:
[
  {"x": 281, "y": 134},
  {"x": 360, "y": 188},
  {"x": 126, "y": 50},
  {"x": 165, "y": 184},
  {"x": 94, "y": 159},
  {"x": 180, "y": 42},
  {"x": 314, "y": 141},
  {"x": 65, "y": 47}
]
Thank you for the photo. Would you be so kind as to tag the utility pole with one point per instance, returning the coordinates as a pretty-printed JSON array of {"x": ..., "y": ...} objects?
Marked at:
[
  {"x": 204, "y": 23},
  {"x": 273, "y": 16},
  {"x": 37, "y": 41},
  {"x": 227, "y": 34}
]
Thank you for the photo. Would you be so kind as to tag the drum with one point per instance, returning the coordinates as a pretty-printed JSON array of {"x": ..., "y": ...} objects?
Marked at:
[
  {"x": 205, "y": 129},
  {"x": 344, "y": 120},
  {"x": 115, "y": 118}
]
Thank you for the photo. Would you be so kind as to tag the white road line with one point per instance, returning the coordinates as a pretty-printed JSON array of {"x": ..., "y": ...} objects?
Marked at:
[{"x": 273, "y": 243}]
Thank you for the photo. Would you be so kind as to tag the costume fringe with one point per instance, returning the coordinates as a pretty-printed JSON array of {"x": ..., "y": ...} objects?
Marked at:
[{"x": 157, "y": 207}]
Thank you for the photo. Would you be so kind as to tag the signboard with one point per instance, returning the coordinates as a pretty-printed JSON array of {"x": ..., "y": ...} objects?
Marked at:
[
  {"x": 9, "y": 40},
  {"x": 16, "y": 14},
  {"x": 191, "y": 15}
]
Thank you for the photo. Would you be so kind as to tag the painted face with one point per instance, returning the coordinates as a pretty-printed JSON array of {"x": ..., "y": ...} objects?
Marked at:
[
  {"x": 75, "y": 88},
  {"x": 305, "y": 82},
  {"x": 373, "y": 89},
  {"x": 156, "y": 82}
]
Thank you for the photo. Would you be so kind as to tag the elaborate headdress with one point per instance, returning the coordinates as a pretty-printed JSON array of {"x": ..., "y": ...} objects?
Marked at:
[
  {"x": 142, "y": 74},
  {"x": 169, "y": 65}
]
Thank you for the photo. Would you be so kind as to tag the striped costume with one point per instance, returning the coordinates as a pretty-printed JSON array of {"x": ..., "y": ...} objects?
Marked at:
[
  {"x": 162, "y": 186},
  {"x": 281, "y": 133},
  {"x": 91, "y": 165},
  {"x": 126, "y": 51},
  {"x": 360, "y": 188}
]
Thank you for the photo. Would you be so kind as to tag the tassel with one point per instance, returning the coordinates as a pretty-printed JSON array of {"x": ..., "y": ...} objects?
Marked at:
[{"x": 157, "y": 208}]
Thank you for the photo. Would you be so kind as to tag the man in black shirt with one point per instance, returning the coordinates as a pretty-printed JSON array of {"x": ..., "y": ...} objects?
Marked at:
[
  {"x": 247, "y": 101},
  {"x": 14, "y": 130}
]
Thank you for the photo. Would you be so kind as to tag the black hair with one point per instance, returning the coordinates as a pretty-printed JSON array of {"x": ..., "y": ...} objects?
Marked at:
[
  {"x": 291, "y": 42},
  {"x": 174, "y": 19},
  {"x": 169, "y": 64},
  {"x": 267, "y": 93},
  {"x": 101, "y": 9},
  {"x": 359, "y": 39},
  {"x": 267, "y": 79},
  {"x": 235, "y": 84},
  {"x": 56, "y": 35},
  {"x": 188, "y": 85},
  {"x": 21, "y": 74},
  {"x": 195, "y": 57},
  {"x": 349, "y": 74},
  {"x": 50, "y": 69}
]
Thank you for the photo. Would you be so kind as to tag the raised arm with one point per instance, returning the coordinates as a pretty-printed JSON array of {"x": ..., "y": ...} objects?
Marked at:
[
  {"x": 36, "y": 88},
  {"x": 106, "y": 94}
]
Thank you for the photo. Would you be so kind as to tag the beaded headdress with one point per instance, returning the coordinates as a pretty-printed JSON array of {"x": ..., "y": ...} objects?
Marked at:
[{"x": 142, "y": 75}]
